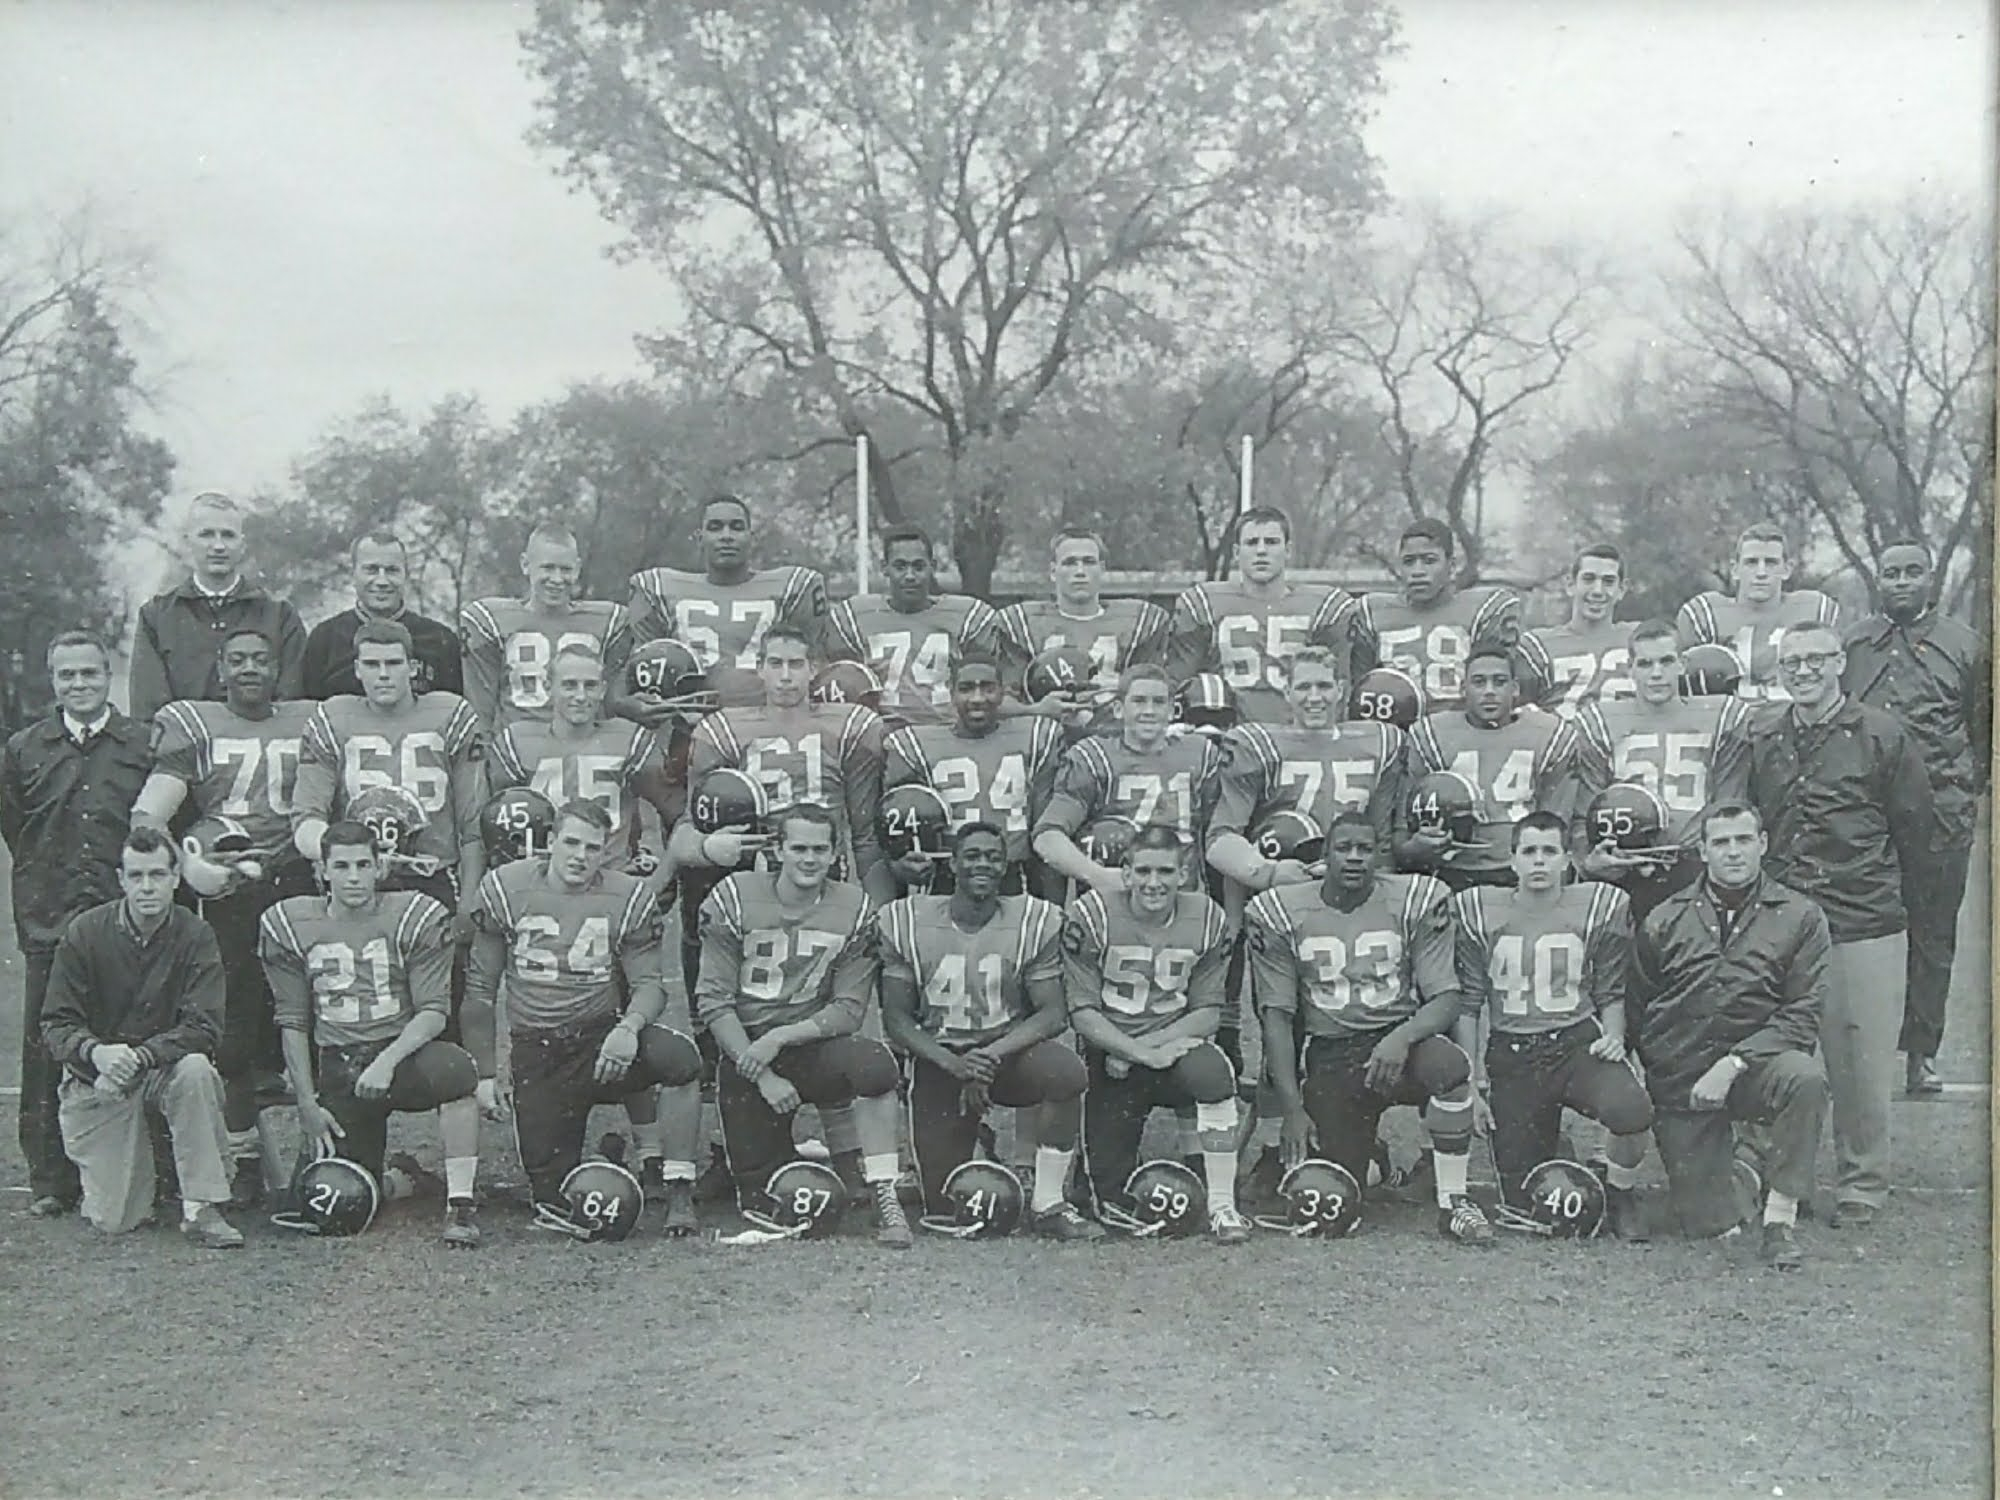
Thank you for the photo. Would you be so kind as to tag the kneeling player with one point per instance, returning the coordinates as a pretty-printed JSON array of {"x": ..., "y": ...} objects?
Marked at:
[
  {"x": 1547, "y": 962},
  {"x": 1143, "y": 974},
  {"x": 1362, "y": 964},
  {"x": 972, "y": 989},
  {"x": 787, "y": 970},
  {"x": 570, "y": 937},
  {"x": 362, "y": 983}
]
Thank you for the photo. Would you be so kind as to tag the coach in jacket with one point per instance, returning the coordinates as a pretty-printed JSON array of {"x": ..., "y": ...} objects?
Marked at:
[
  {"x": 380, "y": 566},
  {"x": 176, "y": 650},
  {"x": 67, "y": 785},
  {"x": 1934, "y": 674},
  {"x": 1847, "y": 801},
  {"x": 1728, "y": 979}
]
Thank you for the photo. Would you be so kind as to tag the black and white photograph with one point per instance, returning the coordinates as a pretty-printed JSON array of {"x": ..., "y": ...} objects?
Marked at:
[{"x": 1009, "y": 749}]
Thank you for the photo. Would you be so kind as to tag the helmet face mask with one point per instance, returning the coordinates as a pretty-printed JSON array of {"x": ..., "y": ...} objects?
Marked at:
[
  {"x": 915, "y": 821},
  {"x": 1446, "y": 800},
  {"x": 664, "y": 670},
  {"x": 1167, "y": 1201},
  {"x": 335, "y": 1199},
  {"x": 602, "y": 1203},
  {"x": 516, "y": 823},
  {"x": 805, "y": 1200},
  {"x": 1206, "y": 703},
  {"x": 395, "y": 817},
  {"x": 986, "y": 1200},
  {"x": 1321, "y": 1199},
  {"x": 1631, "y": 818},
  {"x": 1560, "y": 1199},
  {"x": 1710, "y": 670}
]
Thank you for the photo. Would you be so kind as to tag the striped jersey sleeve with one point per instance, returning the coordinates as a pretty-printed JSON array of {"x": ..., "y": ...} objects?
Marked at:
[
  {"x": 1428, "y": 937},
  {"x": 1607, "y": 946},
  {"x": 182, "y": 746},
  {"x": 1268, "y": 937},
  {"x": 1086, "y": 932},
  {"x": 1041, "y": 954}
]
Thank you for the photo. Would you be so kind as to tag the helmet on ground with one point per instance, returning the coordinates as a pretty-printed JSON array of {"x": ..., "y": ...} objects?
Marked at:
[
  {"x": 803, "y": 1198},
  {"x": 1447, "y": 800},
  {"x": 1289, "y": 834},
  {"x": 1560, "y": 1199},
  {"x": 666, "y": 670},
  {"x": 600, "y": 1202},
  {"x": 1206, "y": 701},
  {"x": 1320, "y": 1198},
  {"x": 984, "y": 1200},
  {"x": 333, "y": 1198},
  {"x": 1166, "y": 1199},
  {"x": 392, "y": 814},
  {"x": 1710, "y": 671},
  {"x": 847, "y": 682},
  {"x": 1386, "y": 695},
  {"x": 516, "y": 823},
  {"x": 1062, "y": 669},
  {"x": 914, "y": 819}
]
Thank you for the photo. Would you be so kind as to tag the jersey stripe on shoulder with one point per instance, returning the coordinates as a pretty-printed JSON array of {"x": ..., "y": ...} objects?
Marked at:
[
  {"x": 1090, "y": 913},
  {"x": 1423, "y": 739},
  {"x": 896, "y": 925},
  {"x": 1425, "y": 893},
  {"x": 276, "y": 925},
  {"x": 1468, "y": 907},
  {"x": 477, "y": 620},
  {"x": 420, "y": 919},
  {"x": 728, "y": 899},
  {"x": 640, "y": 911},
  {"x": 1258, "y": 738},
  {"x": 1200, "y": 608},
  {"x": 1041, "y": 925},
  {"x": 1700, "y": 615}
]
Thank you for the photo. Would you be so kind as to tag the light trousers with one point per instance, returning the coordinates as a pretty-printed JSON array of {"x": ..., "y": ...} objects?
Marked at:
[{"x": 106, "y": 1135}]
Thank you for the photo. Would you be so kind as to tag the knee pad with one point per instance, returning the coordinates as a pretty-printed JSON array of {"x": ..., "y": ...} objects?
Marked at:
[{"x": 1220, "y": 1116}]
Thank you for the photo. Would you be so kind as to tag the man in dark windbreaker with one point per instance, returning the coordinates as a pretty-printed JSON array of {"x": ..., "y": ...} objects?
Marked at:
[{"x": 1728, "y": 978}]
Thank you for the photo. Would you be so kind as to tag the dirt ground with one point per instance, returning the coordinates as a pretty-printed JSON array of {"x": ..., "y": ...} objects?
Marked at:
[{"x": 1387, "y": 1364}]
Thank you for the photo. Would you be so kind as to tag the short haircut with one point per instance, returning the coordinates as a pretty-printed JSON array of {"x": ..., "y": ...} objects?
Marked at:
[
  {"x": 1653, "y": 630},
  {"x": 551, "y": 531},
  {"x": 784, "y": 633},
  {"x": 1816, "y": 627},
  {"x": 67, "y": 638},
  {"x": 347, "y": 834},
  {"x": 1494, "y": 650},
  {"x": 897, "y": 535},
  {"x": 1076, "y": 534},
  {"x": 1143, "y": 671},
  {"x": 974, "y": 654},
  {"x": 1314, "y": 656},
  {"x": 1603, "y": 550},
  {"x": 588, "y": 650},
  {"x": 377, "y": 539},
  {"x": 1912, "y": 541},
  {"x": 596, "y": 814},
  {"x": 725, "y": 498},
  {"x": 251, "y": 630},
  {"x": 1428, "y": 529},
  {"x": 1763, "y": 531},
  {"x": 978, "y": 825},
  {"x": 385, "y": 633},
  {"x": 815, "y": 813},
  {"x": 1350, "y": 817},
  {"x": 1157, "y": 836},
  {"x": 215, "y": 500},
  {"x": 1717, "y": 811},
  {"x": 1540, "y": 822},
  {"x": 144, "y": 838},
  {"x": 1264, "y": 515}
]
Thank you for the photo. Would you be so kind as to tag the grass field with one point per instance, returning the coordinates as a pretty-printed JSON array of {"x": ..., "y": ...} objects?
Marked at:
[{"x": 1387, "y": 1364}]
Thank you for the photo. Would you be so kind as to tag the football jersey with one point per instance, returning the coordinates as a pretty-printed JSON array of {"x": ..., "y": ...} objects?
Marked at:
[
  {"x": 511, "y": 645},
  {"x": 1318, "y": 772},
  {"x": 973, "y": 985},
  {"x": 1569, "y": 665},
  {"x": 432, "y": 748},
  {"x": 1003, "y": 777},
  {"x": 774, "y": 967},
  {"x": 1342, "y": 972},
  {"x": 1538, "y": 968},
  {"x": 1431, "y": 645},
  {"x": 911, "y": 652},
  {"x": 352, "y": 978},
  {"x": 1669, "y": 750},
  {"x": 602, "y": 766},
  {"x": 1123, "y": 633},
  {"x": 1175, "y": 783},
  {"x": 830, "y": 754},
  {"x": 1533, "y": 763},
  {"x": 1753, "y": 633},
  {"x": 1223, "y": 627},
  {"x": 234, "y": 767},
  {"x": 1143, "y": 975},
  {"x": 724, "y": 624},
  {"x": 564, "y": 947}
]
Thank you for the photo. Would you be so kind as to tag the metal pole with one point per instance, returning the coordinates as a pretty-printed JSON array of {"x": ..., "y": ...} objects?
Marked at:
[
  {"x": 861, "y": 515},
  {"x": 1243, "y": 485}
]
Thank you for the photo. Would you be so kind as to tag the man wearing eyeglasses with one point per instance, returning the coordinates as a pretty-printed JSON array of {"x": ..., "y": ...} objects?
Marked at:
[{"x": 1847, "y": 803}]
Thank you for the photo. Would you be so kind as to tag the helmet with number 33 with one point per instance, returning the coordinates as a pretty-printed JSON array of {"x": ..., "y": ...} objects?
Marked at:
[{"x": 1321, "y": 1198}]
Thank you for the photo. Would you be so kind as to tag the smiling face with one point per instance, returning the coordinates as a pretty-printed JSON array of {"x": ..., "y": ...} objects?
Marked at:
[
  {"x": 1145, "y": 710},
  {"x": 215, "y": 543},
  {"x": 805, "y": 850},
  {"x": 552, "y": 567},
  {"x": 979, "y": 864},
  {"x": 380, "y": 573},
  {"x": 1904, "y": 581},
  {"x": 81, "y": 678},
  {"x": 976, "y": 696},
  {"x": 1315, "y": 692},
  {"x": 246, "y": 672},
  {"x": 1153, "y": 879},
  {"x": 1595, "y": 588},
  {"x": 576, "y": 688},
  {"x": 1810, "y": 662}
]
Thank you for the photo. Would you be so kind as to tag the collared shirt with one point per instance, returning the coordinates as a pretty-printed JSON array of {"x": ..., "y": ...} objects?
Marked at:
[
  {"x": 1935, "y": 675},
  {"x": 80, "y": 730},
  {"x": 1846, "y": 802},
  {"x": 109, "y": 983},
  {"x": 328, "y": 672},
  {"x": 222, "y": 593},
  {"x": 180, "y": 633},
  {"x": 1700, "y": 990},
  {"x": 64, "y": 811}
]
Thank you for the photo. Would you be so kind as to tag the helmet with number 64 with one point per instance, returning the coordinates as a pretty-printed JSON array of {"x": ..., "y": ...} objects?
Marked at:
[{"x": 601, "y": 1204}]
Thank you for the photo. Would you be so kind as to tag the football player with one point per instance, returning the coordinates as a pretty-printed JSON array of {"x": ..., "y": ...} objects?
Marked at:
[
  {"x": 1363, "y": 965},
  {"x": 1588, "y": 658},
  {"x": 362, "y": 982},
  {"x": 986, "y": 768},
  {"x": 581, "y": 754},
  {"x": 1113, "y": 633},
  {"x": 722, "y": 612},
  {"x": 431, "y": 747},
  {"x": 972, "y": 991},
  {"x": 511, "y": 644},
  {"x": 911, "y": 633},
  {"x": 1430, "y": 629},
  {"x": 1143, "y": 976},
  {"x": 1142, "y": 773},
  {"x": 237, "y": 760},
  {"x": 1517, "y": 761},
  {"x": 1245, "y": 628},
  {"x": 788, "y": 968},
  {"x": 1547, "y": 963},
  {"x": 1753, "y": 622},
  {"x": 583, "y": 1006}
]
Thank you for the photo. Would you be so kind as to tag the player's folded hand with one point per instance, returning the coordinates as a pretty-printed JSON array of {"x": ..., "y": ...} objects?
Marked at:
[
  {"x": 980, "y": 1066},
  {"x": 778, "y": 1093},
  {"x": 1610, "y": 1048},
  {"x": 493, "y": 1098},
  {"x": 616, "y": 1056},
  {"x": 758, "y": 1057},
  {"x": 1711, "y": 1090},
  {"x": 374, "y": 1081}
]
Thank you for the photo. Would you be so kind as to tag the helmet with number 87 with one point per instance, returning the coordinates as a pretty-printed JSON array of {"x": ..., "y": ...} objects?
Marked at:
[
  {"x": 666, "y": 671},
  {"x": 334, "y": 1198},
  {"x": 1166, "y": 1200},
  {"x": 516, "y": 823},
  {"x": 805, "y": 1199},
  {"x": 601, "y": 1204},
  {"x": 392, "y": 814},
  {"x": 1321, "y": 1198},
  {"x": 1063, "y": 669},
  {"x": 1631, "y": 817},
  {"x": 986, "y": 1202},
  {"x": 1386, "y": 695},
  {"x": 914, "y": 819}
]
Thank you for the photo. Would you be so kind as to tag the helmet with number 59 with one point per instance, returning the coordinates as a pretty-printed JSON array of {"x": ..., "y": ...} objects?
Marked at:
[
  {"x": 1166, "y": 1199},
  {"x": 601, "y": 1203},
  {"x": 986, "y": 1202},
  {"x": 516, "y": 823},
  {"x": 1321, "y": 1198}
]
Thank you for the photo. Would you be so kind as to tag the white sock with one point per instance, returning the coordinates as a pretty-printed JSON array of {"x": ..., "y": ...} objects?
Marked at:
[
  {"x": 1051, "y": 1174},
  {"x": 837, "y": 1123},
  {"x": 1778, "y": 1209},
  {"x": 1451, "y": 1170},
  {"x": 676, "y": 1171},
  {"x": 459, "y": 1172},
  {"x": 876, "y": 1169},
  {"x": 1220, "y": 1169},
  {"x": 1268, "y": 1132},
  {"x": 189, "y": 1208},
  {"x": 650, "y": 1139},
  {"x": 1620, "y": 1176}
]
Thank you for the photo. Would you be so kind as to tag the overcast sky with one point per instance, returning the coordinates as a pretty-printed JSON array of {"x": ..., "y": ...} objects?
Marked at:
[{"x": 338, "y": 197}]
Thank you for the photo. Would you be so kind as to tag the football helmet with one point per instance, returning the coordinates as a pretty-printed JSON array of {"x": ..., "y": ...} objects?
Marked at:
[
  {"x": 1167, "y": 1201},
  {"x": 392, "y": 814},
  {"x": 1062, "y": 669},
  {"x": 913, "y": 819},
  {"x": 986, "y": 1202},
  {"x": 1108, "y": 838},
  {"x": 1387, "y": 695},
  {"x": 335, "y": 1198},
  {"x": 1564, "y": 1201},
  {"x": 1631, "y": 817},
  {"x": 847, "y": 682},
  {"x": 223, "y": 845},
  {"x": 1710, "y": 671},
  {"x": 1321, "y": 1198},
  {"x": 1447, "y": 800},
  {"x": 601, "y": 1204},
  {"x": 517, "y": 823},
  {"x": 220, "y": 838},
  {"x": 803, "y": 1200},
  {"x": 1206, "y": 702},
  {"x": 666, "y": 670},
  {"x": 727, "y": 797},
  {"x": 1289, "y": 834}
]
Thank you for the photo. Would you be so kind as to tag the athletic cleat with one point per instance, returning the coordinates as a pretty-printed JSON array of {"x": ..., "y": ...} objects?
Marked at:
[
  {"x": 1781, "y": 1248},
  {"x": 715, "y": 1185},
  {"x": 49, "y": 1206},
  {"x": 893, "y": 1226},
  {"x": 1920, "y": 1077},
  {"x": 1628, "y": 1219},
  {"x": 461, "y": 1224},
  {"x": 1063, "y": 1222},
  {"x": 211, "y": 1231},
  {"x": 652, "y": 1174},
  {"x": 680, "y": 1222},
  {"x": 1852, "y": 1216},
  {"x": 1227, "y": 1225},
  {"x": 1462, "y": 1220}
]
